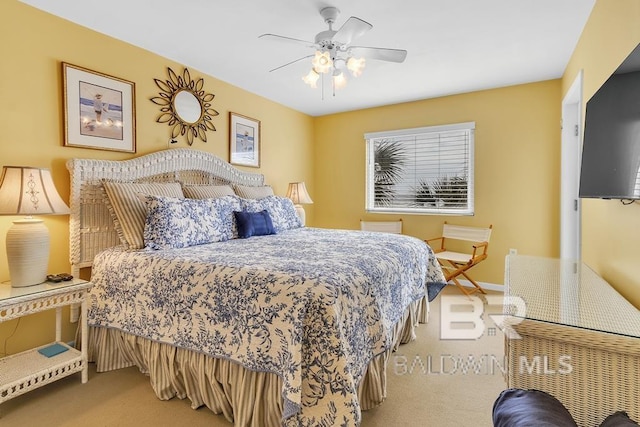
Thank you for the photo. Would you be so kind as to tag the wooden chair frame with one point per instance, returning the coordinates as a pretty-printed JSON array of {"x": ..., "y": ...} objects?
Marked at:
[{"x": 456, "y": 264}]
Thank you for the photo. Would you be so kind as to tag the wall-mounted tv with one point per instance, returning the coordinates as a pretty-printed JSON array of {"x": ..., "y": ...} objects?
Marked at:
[{"x": 611, "y": 148}]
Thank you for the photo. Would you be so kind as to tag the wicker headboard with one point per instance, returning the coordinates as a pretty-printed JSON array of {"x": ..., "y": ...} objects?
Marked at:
[{"x": 91, "y": 228}]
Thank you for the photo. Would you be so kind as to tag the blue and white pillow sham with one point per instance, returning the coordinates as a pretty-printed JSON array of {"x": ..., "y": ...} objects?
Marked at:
[
  {"x": 180, "y": 223},
  {"x": 283, "y": 213}
]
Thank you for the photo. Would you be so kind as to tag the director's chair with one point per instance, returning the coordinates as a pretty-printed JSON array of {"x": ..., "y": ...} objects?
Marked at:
[{"x": 456, "y": 264}]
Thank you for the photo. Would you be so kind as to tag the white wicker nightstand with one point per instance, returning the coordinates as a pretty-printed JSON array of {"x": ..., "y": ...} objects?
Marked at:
[
  {"x": 23, "y": 372},
  {"x": 579, "y": 338}
]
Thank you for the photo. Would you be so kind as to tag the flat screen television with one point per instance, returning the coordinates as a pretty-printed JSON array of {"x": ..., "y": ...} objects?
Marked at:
[{"x": 611, "y": 147}]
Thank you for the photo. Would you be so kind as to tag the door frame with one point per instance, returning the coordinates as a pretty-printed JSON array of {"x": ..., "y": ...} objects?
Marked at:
[{"x": 571, "y": 151}]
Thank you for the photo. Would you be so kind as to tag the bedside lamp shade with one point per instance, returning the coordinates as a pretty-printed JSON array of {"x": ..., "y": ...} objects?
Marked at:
[
  {"x": 28, "y": 191},
  {"x": 297, "y": 192}
]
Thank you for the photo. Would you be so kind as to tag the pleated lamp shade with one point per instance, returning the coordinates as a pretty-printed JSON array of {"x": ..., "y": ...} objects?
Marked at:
[
  {"x": 28, "y": 191},
  {"x": 298, "y": 194}
]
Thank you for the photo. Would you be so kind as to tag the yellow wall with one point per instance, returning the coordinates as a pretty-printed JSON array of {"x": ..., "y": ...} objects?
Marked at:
[
  {"x": 517, "y": 148},
  {"x": 517, "y": 144},
  {"x": 610, "y": 231},
  {"x": 31, "y": 118}
]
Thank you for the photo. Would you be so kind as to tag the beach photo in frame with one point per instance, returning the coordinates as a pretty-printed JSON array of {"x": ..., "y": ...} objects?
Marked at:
[
  {"x": 244, "y": 140},
  {"x": 99, "y": 110}
]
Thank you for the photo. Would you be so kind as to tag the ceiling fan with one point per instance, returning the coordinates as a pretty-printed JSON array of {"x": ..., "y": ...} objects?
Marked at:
[{"x": 333, "y": 50}]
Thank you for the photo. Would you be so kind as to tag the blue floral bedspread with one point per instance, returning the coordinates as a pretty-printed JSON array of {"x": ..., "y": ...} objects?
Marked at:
[{"x": 313, "y": 306}]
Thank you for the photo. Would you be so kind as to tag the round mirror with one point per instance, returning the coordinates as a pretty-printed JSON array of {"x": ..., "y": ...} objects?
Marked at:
[{"x": 187, "y": 106}]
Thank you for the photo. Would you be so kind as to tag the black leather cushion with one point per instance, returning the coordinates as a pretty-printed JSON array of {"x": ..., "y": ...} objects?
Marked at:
[
  {"x": 530, "y": 408},
  {"x": 618, "y": 419}
]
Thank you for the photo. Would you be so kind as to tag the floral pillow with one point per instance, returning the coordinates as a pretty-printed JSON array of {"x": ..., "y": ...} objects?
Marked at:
[
  {"x": 180, "y": 223},
  {"x": 281, "y": 210}
]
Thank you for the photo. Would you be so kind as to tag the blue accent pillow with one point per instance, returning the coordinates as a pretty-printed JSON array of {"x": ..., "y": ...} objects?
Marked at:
[{"x": 253, "y": 223}]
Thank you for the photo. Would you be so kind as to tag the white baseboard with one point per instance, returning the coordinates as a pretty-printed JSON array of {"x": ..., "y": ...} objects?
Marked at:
[{"x": 484, "y": 285}]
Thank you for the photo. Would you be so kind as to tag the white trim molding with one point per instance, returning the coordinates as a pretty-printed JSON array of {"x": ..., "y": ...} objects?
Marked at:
[{"x": 484, "y": 285}]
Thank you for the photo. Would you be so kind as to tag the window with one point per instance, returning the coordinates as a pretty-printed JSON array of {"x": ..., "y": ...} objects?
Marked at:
[{"x": 425, "y": 170}]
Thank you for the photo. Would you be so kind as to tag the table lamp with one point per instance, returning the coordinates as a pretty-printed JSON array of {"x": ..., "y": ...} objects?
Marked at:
[
  {"x": 297, "y": 192},
  {"x": 28, "y": 191}
]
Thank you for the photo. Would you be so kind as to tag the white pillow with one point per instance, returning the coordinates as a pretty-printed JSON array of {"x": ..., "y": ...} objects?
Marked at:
[
  {"x": 248, "y": 192},
  {"x": 207, "y": 191}
]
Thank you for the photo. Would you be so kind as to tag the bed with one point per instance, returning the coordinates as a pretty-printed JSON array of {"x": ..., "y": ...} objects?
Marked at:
[{"x": 291, "y": 326}]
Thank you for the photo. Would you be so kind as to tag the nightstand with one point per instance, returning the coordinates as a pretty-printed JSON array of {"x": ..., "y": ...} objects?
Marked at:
[{"x": 23, "y": 372}]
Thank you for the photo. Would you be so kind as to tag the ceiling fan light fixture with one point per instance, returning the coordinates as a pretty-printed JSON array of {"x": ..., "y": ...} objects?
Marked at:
[
  {"x": 333, "y": 51},
  {"x": 356, "y": 65},
  {"x": 339, "y": 63},
  {"x": 322, "y": 62},
  {"x": 312, "y": 78},
  {"x": 339, "y": 80}
]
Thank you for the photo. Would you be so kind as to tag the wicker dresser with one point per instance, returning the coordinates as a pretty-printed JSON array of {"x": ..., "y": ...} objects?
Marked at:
[{"x": 579, "y": 339}]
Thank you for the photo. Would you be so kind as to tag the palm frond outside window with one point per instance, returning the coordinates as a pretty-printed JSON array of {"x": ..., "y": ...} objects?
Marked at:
[{"x": 388, "y": 166}]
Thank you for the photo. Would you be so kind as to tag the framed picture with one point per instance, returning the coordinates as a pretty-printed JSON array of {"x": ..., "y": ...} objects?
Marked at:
[
  {"x": 244, "y": 141},
  {"x": 99, "y": 110}
]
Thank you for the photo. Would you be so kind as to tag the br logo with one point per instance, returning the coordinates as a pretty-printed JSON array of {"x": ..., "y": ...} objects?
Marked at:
[{"x": 464, "y": 318}]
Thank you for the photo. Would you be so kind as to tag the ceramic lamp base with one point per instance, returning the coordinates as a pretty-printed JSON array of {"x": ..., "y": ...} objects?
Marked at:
[
  {"x": 301, "y": 213},
  {"x": 27, "y": 252}
]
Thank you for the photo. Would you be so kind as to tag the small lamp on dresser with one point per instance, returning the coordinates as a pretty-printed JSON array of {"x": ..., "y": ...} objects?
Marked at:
[
  {"x": 297, "y": 192},
  {"x": 28, "y": 191}
]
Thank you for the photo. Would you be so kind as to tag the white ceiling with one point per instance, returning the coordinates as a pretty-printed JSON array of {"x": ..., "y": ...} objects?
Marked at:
[{"x": 454, "y": 46}]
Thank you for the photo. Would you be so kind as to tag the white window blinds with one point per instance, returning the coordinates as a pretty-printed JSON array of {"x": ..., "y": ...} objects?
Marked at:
[{"x": 424, "y": 170}]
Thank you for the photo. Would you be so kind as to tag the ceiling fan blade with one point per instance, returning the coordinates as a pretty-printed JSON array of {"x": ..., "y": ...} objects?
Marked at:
[
  {"x": 380, "y": 53},
  {"x": 352, "y": 29},
  {"x": 278, "y": 38},
  {"x": 292, "y": 62}
]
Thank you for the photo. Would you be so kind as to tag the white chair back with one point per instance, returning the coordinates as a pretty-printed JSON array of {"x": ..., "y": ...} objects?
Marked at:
[
  {"x": 462, "y": 232},
  {"x": 394, "y": 227}
]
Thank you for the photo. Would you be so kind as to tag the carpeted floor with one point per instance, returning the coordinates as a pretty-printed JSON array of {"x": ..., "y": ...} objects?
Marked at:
[{"x": 431, "y": 382}]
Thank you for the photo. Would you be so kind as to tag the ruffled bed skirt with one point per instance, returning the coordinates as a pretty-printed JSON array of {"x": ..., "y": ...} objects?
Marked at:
[{"x": 244, "y": 397}]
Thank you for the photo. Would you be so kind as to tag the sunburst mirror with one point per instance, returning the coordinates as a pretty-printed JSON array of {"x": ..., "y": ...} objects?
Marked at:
[{"x": 185, "y": 106}]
